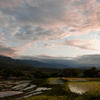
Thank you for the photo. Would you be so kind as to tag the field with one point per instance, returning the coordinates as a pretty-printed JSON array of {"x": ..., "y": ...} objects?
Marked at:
[
  {"x": 91, "y": 89},
  {"x": 56, "y": 89}
]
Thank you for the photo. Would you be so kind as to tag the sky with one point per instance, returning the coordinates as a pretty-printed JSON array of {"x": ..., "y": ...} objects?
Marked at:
[{"x": 64, "y": 29}]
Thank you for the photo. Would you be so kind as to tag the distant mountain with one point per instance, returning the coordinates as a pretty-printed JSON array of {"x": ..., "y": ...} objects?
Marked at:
[
  {"x": 41, "y": 64},
  {"x": 12, "y": 62},
  {"x": 7, "y": 61}
]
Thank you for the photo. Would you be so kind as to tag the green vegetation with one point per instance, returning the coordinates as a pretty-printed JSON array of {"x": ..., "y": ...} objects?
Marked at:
[
  {"x": 58, "y": 92},
  {"x": 62, "y": 92},
  {"x": 22, "y": 69},
  {"x": 88, "y": 85},
  {"x": 44, "y": 77},
  {"x": 91, "y": 72}
]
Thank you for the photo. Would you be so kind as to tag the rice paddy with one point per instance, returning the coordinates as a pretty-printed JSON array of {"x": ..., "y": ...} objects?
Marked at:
[{"x": 51, "y": 89}]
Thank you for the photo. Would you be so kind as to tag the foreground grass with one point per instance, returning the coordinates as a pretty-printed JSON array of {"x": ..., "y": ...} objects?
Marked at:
[
  {"x": 87, "y": 96},
  {"x": 44, "y": 97}
]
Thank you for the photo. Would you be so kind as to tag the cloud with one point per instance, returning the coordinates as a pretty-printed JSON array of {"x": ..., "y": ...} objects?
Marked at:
[
  {"x": 48, "y": 59},
  {"x": 26, "y": 12},
  {"x": 80, "y": 61},
  {"x": 91, "y": 44},
  {"x": 92, "y": 60},
  {"x": 88, "y": 44},
  {"x": 7, "y": 51},
  {"x": 32, "y": 21},
  {"x": 51, "y": 14}
]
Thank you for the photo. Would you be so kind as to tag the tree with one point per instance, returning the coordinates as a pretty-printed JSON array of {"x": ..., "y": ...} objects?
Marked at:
[
  {"x": 70, "y": 72},
  {"x": 90, "y": 72}
]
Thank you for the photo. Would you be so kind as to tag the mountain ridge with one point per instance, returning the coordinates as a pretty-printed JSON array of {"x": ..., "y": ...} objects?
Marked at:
[
  {"x": 33, "y": 63},
  {"x": 37, "y": 64}
]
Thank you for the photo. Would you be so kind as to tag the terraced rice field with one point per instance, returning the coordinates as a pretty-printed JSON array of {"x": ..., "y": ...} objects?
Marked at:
[
  {"x": 23, "y": 89},
  {"x": 82, "y": 87},
  {"x": 55, "y": 81},
  {"x": 49, "y": 88}
]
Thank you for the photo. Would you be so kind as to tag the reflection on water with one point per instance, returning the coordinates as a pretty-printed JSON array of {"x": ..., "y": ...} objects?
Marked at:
[
  {"x": 42, "y": 89},
  {"x": 30, "y": 87},
  {"x": 55, "y": 81},
  {"x": 9, "y": 93},
  {"x": 29, "y": 95},
  {"x": 20, "y": 86},
  {"x": 77, "y": 89},
  {"x": 11, "y": 88},
  {"x": 25, "y": 88},
  {"x": 82, "y": 87}
]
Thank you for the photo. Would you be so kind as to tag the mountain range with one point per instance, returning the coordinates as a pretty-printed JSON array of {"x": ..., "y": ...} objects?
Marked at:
[{"x": 37, "y": 64}]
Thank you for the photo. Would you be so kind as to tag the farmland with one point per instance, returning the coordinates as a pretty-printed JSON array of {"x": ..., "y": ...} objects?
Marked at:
[{"x": 51, "y": 89}]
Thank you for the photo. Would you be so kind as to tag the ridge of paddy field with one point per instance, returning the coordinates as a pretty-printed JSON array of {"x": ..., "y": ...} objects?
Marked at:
[{"x": 81, "y": 79}]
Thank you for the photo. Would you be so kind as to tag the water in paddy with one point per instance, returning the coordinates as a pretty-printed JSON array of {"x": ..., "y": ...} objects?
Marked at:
[
  {"x": 76, "y": 89},
  {"x": 11, "y": 88},
  {"x": 82, "y": 87},
  {"x": 23, "y": 89},
  {"x": 55, "y": 81},
  {"x": 9, "y": 93}
]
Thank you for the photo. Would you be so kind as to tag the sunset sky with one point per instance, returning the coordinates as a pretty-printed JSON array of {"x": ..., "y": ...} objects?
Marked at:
[{"x": 49, "y": 28}]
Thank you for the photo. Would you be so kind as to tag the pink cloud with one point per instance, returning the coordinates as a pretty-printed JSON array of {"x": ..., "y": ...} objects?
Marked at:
[
  {"x": 50, "y": 17},
  {"x": 7, "y": 51},
  {"x": 55, "y": 13},
  {"x": 91, "y": 44}
]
